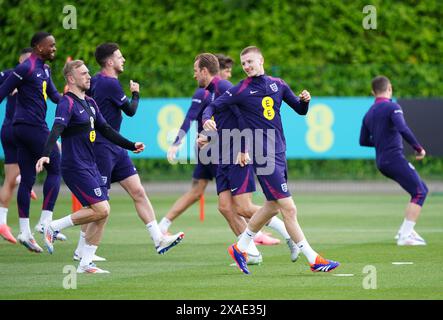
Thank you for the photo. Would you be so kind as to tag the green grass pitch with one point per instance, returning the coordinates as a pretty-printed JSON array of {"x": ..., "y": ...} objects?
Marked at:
[{"x": 356, "y": 230}]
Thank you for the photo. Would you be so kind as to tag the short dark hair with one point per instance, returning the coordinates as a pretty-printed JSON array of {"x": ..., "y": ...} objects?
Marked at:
[
  {"x": 225, "y": 62},
  {"x": 250, "y": 49},
  {"x": 209, "y": 61},
  {"x": 38, "y": 37},
  {"x": 380, "y": 84},
  {"x": 26, "y": 50},
  {"x": 104, "y": 51}
]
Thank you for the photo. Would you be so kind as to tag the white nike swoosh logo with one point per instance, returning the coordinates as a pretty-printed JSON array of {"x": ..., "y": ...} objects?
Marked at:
[
  {"x": 38, "y": 75},
  {"x": 232, "y": 190},
  {"x": 81, "y": 111},
  {"x": 18, "y": 76},
  {"x": 252, "y": 92}
]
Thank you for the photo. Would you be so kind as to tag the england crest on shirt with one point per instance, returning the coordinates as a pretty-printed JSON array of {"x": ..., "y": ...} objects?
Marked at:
[
  {"x": 47, "y": 73},
  {"x": 273, "y": 87},
  {"x": 284, "y": 187},
  {"x": 93, "y": 110},
  {"x": 98, "y": 192}
]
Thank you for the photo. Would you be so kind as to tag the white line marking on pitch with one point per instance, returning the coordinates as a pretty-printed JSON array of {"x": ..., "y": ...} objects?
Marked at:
[
  {"x": 343, "y": 275},
  {"x": 399, "y": 263}
]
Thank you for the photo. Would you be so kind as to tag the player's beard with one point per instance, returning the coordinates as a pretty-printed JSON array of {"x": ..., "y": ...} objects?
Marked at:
[
  {"x": 202, "y": 83},
  {"x": 50, "y": 56},
  {"x": 120, "y": 69},
  {"x": 85, "y": 87},
  {"x": 47, "y": 57}
]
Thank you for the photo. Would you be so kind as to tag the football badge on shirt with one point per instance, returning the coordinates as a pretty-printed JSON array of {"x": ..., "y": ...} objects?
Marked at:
[
  {"x": 47, "y": 73},
  {"x": 98, "y": 192},
  {"x": 273, "y": 87},
  {"x": 284, "y": 187}
]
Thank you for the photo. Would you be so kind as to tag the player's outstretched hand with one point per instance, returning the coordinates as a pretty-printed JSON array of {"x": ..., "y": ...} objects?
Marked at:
[
  {"x": 140, "y": 147},
  {"x": 210, "y": 125},
  {"x": 305, "y": 96},
  {"x": 172, "y": 151},
  {"x": 134, "y": 86},
  {"x": 421, "y": 155},
  {"x": 40, "y": 163}
]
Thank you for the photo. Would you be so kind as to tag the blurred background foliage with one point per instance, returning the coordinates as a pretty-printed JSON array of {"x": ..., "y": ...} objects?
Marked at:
[{"x": 318, "y": 45}]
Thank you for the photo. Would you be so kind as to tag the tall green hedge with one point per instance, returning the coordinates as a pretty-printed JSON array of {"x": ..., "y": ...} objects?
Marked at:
[
  {"x": 298, "y": 169},
  {"x": 320, "y": 45},
  {"x": 160, "y": 169}
]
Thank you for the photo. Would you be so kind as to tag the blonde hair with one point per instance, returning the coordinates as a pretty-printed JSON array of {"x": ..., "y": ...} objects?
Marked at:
[
  {"x": 250, "y": 49},
  {"x": 70, "y": 66}
]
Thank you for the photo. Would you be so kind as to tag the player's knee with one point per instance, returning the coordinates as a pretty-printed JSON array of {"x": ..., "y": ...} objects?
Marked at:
[
  {"x": 27, "y": 181},
  {"x": 289, "y": 213},
  {"x": 420, "y": 196},
  {"x": 194, "y": 196},
  {"x": 10, "y": 183},
  {"x": 103, "y": 211},
  {"x": 224, "y": 209},
  {"x": 245, "y": 211},
  {"x": 197, "y": 192},
  {"x": 138, "y": 193}
]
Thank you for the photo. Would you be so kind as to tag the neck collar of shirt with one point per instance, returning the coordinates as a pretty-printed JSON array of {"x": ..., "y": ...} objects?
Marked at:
[
  {"x": 382, "y": 99},
  {"x": 106, "y": 75},
  {"x": 213, "y": 82},
  {"x": 258, "y": 77},
  {"x": 35, "y": 59}
]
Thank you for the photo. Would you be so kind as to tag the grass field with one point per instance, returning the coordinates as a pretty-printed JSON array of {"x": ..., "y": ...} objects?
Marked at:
[{"x": 356, "y": 230}]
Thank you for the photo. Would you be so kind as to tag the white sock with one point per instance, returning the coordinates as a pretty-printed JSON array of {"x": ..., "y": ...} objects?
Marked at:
[
  {"x": 88, "y": 254},
  {"x": 25, "y": 229},
  {"x": 81, "y": 243},
  {"x": 252, "y": 249},
  {"x": 164, "y": 224},
  {"x": 245, "y": 239},
  {"x": 62, "y": 223},
  {"x": 406, "y": 228},
  {"x": 306, "y": 249},
  {"x": 154, "y": 231},
  {"x": 258, "y": 234},
  {"x": 3, "y": 215},
  {"x": 45, "y": 216},
  {"x": 279, "y": 226}
]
